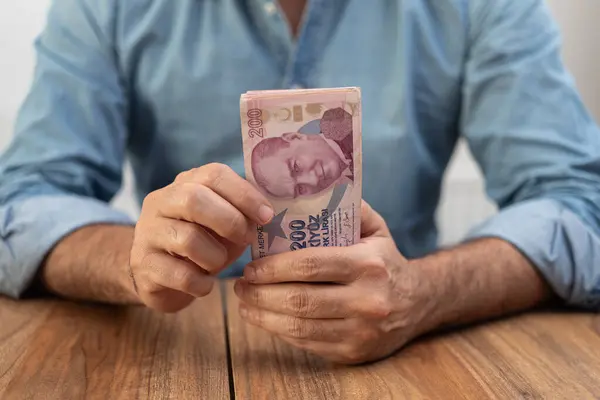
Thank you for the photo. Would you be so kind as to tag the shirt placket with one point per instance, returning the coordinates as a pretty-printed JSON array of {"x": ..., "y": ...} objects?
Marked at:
[
  {"x": 297, "y": 59},
  {"x": 318, "y": 26},
  {"x": 273, "y": 29}
]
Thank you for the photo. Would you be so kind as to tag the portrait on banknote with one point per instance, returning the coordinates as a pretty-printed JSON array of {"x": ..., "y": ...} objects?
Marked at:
[{"x": 307, "y": 162}]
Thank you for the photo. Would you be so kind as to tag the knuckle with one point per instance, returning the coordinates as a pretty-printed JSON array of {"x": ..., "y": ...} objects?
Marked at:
[
  {"x": 378, "y": 306},
  {"x": 149, "y": 200},
  {"x": 307, "y": 267},
  {"x": 366, "y": 335},
  {"x": 255, "y": 316},
  {"x": 188, "y": 198},
  {"x": 298, "y": 301},
  {"x": 235, "y": 225},
  {"x": 182, "y": 237},
  {"x": 215, "y": 167},
  {"x": 353, "y": 354},
  {"x": 184, "y": 279},
  {"x": 375, "y": 267},
  {"x": 146, "y": 261},
  {"x": 173, "y": 234},
  {"x": 149, "y": 287},
  {"x": 148, "y": 283},
  {"x": 298, "y": 328},
  {"x": 256, "y": 296},
  {"x": 148, "y": 280},
  {"x": 265, "y": 271},
  {"x": 183, "y": 176},
  {"x": 213, "y": 174}
]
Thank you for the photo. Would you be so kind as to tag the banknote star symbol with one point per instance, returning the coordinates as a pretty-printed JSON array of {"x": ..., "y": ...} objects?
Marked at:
[{"x": 273, "y": 229}]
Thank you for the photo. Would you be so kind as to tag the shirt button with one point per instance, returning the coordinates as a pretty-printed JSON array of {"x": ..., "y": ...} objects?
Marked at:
[{"x": 270, "y": 8}]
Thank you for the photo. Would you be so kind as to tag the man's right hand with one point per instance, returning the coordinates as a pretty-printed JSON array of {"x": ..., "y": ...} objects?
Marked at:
[{"x": 189, "y": 231}]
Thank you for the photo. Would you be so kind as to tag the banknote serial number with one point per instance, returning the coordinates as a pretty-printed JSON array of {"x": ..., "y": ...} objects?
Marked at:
[{"x": 255, "y": 123}]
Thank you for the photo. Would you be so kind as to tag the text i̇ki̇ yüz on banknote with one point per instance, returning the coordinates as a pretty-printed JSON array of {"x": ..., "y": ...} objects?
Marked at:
[{"x": 303, "y": 151}]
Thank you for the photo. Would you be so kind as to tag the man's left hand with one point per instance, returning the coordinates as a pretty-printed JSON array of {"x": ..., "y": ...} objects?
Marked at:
[{"x": 347, "y": 304}]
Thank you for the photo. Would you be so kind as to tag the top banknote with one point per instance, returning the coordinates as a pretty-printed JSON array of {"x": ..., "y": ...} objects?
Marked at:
[{"x": 303, "y": 151}]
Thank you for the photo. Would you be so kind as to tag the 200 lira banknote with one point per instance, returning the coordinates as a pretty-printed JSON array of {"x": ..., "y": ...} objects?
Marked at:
[{"x": 303, "y": 151}]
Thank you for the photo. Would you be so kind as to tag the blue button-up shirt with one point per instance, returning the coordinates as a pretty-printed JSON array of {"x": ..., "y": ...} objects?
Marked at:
[{"x": 159, "y": 82}]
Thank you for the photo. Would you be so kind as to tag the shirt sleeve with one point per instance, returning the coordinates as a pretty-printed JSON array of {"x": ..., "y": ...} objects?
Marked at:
[
  {"x": 65, "y": 162},
  {"x": 536, "y": 144}
]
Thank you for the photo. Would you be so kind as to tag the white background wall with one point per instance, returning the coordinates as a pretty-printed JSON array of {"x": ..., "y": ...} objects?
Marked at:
[{"x": 463, "y": 202}]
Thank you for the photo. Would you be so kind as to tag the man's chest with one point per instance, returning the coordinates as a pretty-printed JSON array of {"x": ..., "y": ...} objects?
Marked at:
[{"x": 186, "y": 75}]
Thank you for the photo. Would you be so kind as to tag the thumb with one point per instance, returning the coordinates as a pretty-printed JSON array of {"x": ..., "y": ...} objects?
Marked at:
[{"x": 371, "y": 223}]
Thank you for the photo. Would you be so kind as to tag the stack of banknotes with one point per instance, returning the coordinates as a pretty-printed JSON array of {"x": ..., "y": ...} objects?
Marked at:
[{"x": 303, "y": 151}]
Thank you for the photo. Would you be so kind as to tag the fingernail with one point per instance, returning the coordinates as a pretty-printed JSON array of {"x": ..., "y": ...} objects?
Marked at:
[
  {"x": 265, "y": 213},
  {"x": 250, "y": 273},
  {"x": 243, "y": 311}
]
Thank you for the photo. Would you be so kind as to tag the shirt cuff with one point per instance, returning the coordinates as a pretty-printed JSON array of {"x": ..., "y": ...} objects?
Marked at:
[
  {"x": 30, "y": 228},
  {"x": 557, "y": 242}
]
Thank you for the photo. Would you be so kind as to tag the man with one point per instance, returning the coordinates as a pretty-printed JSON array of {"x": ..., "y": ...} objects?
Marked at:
[
  {"x": 300, "y": 165},
  {"x": 159, "y": 81}
]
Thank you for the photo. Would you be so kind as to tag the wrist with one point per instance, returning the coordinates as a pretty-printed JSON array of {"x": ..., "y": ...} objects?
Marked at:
[
  {"x": 434, "y": 287},
  {"x": 126, "y": 279},
  {"x": 128, "y": 286},
  {"x": 92, "y": 264},
  {"x": 476, "y": 281}
]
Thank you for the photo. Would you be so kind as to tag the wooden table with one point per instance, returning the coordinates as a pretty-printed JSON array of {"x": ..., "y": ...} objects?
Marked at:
[{"x": 60, "y": 350}]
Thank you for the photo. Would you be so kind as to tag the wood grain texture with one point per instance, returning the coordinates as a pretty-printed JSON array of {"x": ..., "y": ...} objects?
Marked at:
[
  {"x": 532, "y": 356},
  {"x": 60, "y": 350}
]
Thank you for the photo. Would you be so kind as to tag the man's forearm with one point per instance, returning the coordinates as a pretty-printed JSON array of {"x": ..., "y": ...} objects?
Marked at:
[
  {"x": 483, "y": 279},
  {"x": 91, "y": 264}
]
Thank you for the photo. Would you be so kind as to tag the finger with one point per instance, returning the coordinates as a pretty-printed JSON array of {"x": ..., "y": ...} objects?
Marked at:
[
  {"x": 199, "y": 204},
  {"x": 341, "y": 353},
  {"x": 161, "y": 271},
  {"x": 188, "y": 240},
  {"x": 167, "y": 300},
  {"x": 318, "y": 264},
  {"x": 335, "y": 352},
  {"x": 309, "y": 301},
  {"x": 371, "y": 223},
  {"x": 233, "y": 188},
  {"x": 325, "y": 330}
]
